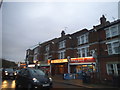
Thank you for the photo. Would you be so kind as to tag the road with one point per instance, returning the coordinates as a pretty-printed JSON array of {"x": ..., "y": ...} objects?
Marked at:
[{"x": 11, "y": 84}]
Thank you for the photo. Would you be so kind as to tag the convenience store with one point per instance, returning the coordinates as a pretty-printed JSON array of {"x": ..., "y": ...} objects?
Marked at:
[{"x": 73, "y": 65}]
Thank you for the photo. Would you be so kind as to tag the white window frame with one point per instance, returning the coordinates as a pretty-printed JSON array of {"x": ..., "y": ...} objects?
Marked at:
[
  {"x": 80, "y": 52},
  {"x": 36, "y": 50},
  {"x": 115, "y": 68},
  {"x": 116, "y": 30},
  {"x": 61, "y": 54},
  {"x": 112, "y": 46},
  {"x": 82, "y": 40},
  {"x": 46, "y": 56},
  {"x": 110, "y": 31},
  {"x": 62, "y": 44},
  {"x": 47, "y": 48},
  {"x": 35, "y": 57}
]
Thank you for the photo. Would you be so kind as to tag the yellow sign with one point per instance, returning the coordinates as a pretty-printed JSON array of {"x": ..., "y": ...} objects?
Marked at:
[{"x": 59, "y": 61}]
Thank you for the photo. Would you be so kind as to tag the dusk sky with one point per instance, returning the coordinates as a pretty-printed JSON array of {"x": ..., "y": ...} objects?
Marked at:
[{"x": 25, "y": 24}]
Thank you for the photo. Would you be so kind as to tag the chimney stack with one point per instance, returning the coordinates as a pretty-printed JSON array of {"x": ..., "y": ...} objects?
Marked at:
[
  {"x": 102, "y": 20},
  {"x": 62, "y": 33}
]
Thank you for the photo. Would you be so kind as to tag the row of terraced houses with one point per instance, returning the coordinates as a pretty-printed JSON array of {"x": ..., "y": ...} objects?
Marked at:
[{"x": 97, "y": 50}]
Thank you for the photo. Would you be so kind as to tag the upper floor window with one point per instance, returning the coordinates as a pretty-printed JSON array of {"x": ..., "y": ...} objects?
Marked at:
[
  {"x": 83, "y": 39},
  {"x": 113, "y": 68},
  {"x": 83, "y": 52},
  {"x": 46, "y": 56},
  {"x": 112, "y": 31},
  {"x": 113, "y": 48},
  {"x": 35, "y": 57},
  {"x": 28, "y": 52},
  {"x": 61, "y": 54},
  {"x": 62, "y": 44},
  {"x": 47, "y": 48},
  {"x": 36, "y": 50}
]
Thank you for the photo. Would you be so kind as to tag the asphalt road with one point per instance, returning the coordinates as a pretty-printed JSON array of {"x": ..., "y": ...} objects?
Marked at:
[{"x": 11, "y": 84}]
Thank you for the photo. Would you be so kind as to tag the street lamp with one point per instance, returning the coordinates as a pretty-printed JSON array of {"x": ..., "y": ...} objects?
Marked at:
[{"x": 68, "y": 58}]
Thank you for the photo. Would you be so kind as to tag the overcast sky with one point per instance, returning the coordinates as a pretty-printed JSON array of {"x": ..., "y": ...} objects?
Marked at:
[{"x": 26, "y": 24}]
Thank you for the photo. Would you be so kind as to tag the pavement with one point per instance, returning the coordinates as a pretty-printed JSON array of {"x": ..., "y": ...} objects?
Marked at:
[{"x": 78, "y": 82}]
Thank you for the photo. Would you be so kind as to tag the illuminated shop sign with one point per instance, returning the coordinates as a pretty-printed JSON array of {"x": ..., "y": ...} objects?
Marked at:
[
  {"x": 74, "y": 60},
  {"x": 59, "y": 61},
  {"x": 82, "y": 60}
]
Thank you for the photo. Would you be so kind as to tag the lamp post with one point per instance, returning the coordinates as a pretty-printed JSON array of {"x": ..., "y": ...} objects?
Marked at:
[
  {"x": 68, "y": 58},
  {"x": 97, "y": 64}
]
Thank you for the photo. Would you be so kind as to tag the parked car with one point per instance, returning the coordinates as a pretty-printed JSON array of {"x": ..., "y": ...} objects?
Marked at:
[
  {"x": 33, "y": 78},
  {"x": 8, "y": 73},
  {"x": 17, "y": 71}
]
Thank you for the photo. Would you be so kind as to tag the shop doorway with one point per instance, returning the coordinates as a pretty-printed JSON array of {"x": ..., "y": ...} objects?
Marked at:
[{"x": 59, "y": 68}]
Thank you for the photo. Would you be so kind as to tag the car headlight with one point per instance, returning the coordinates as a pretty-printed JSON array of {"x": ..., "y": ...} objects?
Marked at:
[
  {"x": 50, "y": 79},
  {"x": 6, "y": 73},
  {"x": 35, "y": 80},
  {"x": 15, "y": 73}
]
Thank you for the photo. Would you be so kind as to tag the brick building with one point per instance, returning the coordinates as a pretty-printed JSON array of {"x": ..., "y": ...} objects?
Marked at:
[{"x": 97, "y": 49}]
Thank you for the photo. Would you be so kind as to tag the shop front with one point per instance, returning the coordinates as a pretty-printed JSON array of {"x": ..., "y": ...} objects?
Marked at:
[
  {"x": 59, "y": 66},
  {"x": 73, "y": 65},
  {"x": 82, "y": 64}
]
